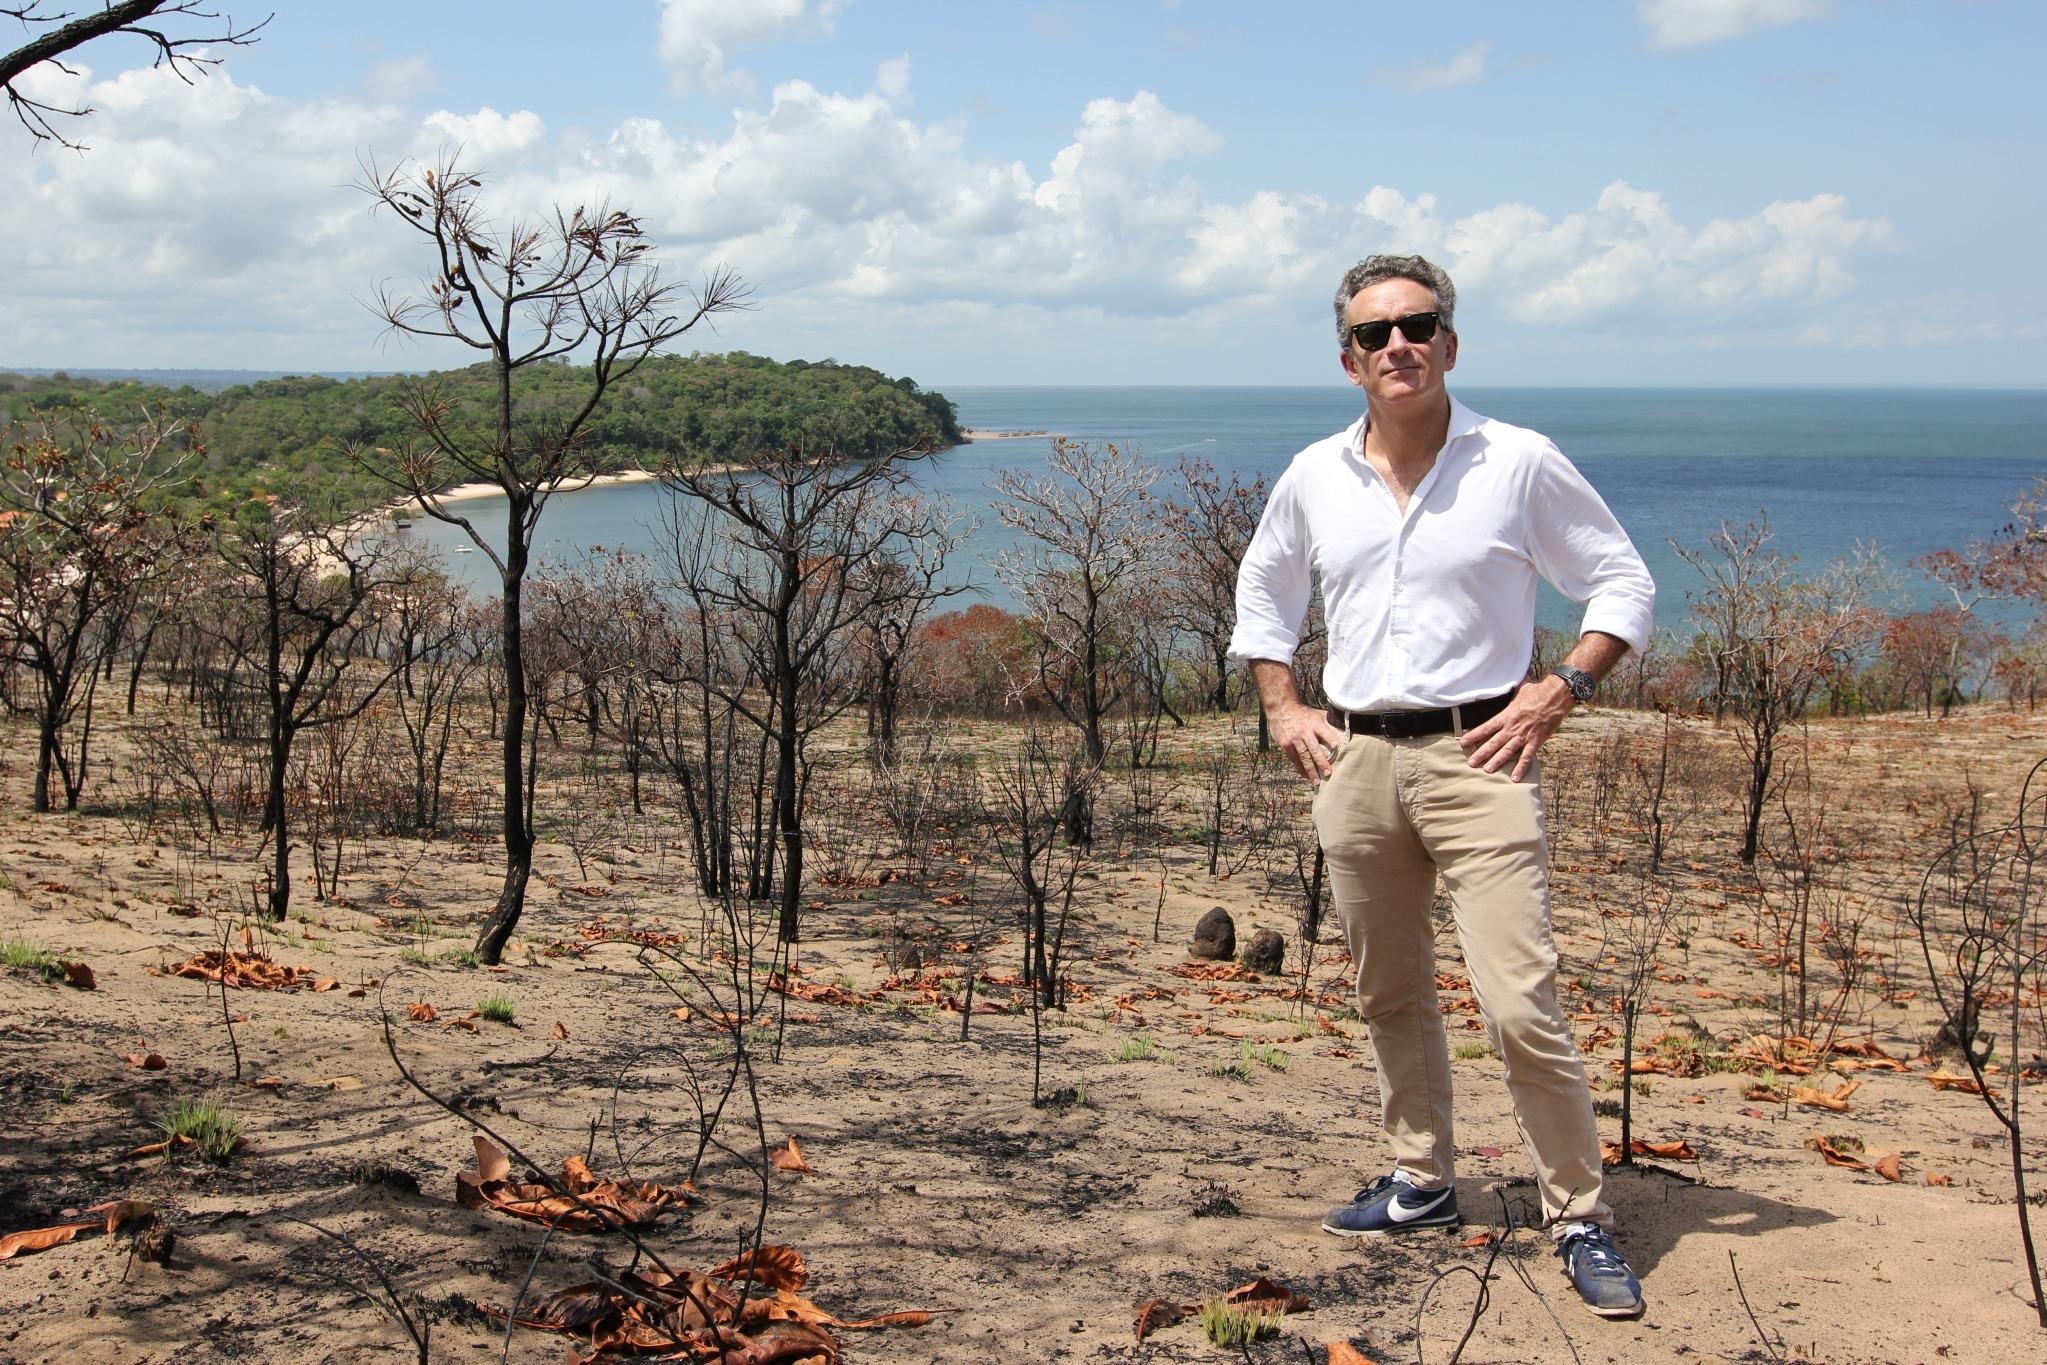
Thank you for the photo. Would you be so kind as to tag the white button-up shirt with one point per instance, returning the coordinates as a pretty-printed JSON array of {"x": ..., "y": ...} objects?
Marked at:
[{"x": 1434, "y": 606}]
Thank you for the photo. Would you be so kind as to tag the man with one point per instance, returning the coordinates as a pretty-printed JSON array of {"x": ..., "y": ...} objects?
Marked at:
[{"x": 1427, "y": 525}]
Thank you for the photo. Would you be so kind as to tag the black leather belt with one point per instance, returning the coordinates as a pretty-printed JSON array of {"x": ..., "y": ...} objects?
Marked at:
[{"x": 1413, "y": 724}]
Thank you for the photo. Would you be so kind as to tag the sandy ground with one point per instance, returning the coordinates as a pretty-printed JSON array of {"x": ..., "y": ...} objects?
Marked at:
[{"x": 937, "y": 1183}]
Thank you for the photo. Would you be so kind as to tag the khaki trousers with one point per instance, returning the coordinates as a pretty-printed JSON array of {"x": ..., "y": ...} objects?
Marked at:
[{"x": 1394, "y": 814}]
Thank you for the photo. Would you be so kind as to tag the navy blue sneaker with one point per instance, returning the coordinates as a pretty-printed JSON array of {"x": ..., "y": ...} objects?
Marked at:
[
  {"x": 1600, "y": 1272},
  {"x": 1390, "y": 1204}
]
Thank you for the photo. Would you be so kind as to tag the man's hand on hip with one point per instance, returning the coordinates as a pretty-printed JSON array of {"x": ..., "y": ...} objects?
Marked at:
[
  {"x": 1307, "y": 738},
  {"x": 1519, "y": 732},
  {"x": 1302, "y": 732}
]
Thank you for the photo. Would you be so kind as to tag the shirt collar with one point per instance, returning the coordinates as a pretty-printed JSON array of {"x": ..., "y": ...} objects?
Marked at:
[{"x": 1463, "y": 422}]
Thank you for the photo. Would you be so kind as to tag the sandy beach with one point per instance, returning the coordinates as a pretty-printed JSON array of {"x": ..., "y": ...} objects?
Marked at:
[{"x": 972, "y": 434}]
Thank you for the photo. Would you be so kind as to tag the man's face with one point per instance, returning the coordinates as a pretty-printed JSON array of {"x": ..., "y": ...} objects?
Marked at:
[{"x": 1401, "y": 371}]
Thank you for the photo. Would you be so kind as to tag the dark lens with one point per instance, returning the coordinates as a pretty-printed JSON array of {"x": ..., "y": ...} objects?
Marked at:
[
  {"x": 1373, "y": 336},
  {"x": 1416, "y": 327}
]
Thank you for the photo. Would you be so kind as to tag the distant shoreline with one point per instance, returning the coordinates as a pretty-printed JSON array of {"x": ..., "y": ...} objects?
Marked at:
[{"x": 977, "y": 434}]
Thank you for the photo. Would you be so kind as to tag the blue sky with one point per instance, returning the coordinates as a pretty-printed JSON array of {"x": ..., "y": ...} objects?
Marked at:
[{"x": 1125, "y": 191}]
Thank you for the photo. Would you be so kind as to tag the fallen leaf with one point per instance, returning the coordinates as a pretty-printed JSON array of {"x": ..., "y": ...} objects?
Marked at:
[
  {"x": 1939, "y": 1181},
  {"x": 777, "y": 1267},
  {"x": 420, "y": 1012},
  {"x": 41, "y": 1239},
  {"x": 179, "y": 1142},
  {"x": 578, "y": 1202},
  {"x": 1343, "y": 1353},
  {"x": 1887, "y": 1167},
  {"x": 1263, "y": 1291},
  {"x": 1477, "y": 1240},
  {"x": 1752, "y": 1113},
  {"x": 560, "y": 1032},
  {"x": 1155, "y": 1315},
  {"x": 325, "y": 983},
  {"x": 1680, "y": 1150},
  {"x": 790, "y": 1158},
  {"x": 1943, "y": 1080},
  {"x": 120, "y": 1211},
  {"x": 1836, "y": 1101},
  {"x": 1489, "y": 1151},
  {"x": 249, "y": 970},
  {"x": 148, "y": 1061},
  {"x": 79, "y": 975},
  {"x": 265, "y": 1083},
  {"x": 357, "y": 994},
  {"x": 1838, "y": 1151},
  {"x": 468, "y": 1022}
]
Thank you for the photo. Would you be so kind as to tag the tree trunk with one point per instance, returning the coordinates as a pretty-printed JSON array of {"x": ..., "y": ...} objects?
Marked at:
[
  {"x": 274, "y": 822},
  {"x": 518, "y": 821}
]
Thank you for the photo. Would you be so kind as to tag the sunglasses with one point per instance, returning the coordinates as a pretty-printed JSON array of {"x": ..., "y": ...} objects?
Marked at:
[{"x": 1418, "y": 328}]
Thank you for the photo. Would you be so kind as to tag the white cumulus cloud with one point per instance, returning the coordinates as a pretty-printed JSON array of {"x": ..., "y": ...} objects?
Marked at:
[
  {"x": 1692, "y": 23},
  {"x": 214, "y": 225},
  {"x": 698, "y": 37},
  {"x": 1466, "y": 68}
]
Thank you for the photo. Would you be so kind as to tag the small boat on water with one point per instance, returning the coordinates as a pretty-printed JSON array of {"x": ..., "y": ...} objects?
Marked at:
[{"x": 465, "y": 549}]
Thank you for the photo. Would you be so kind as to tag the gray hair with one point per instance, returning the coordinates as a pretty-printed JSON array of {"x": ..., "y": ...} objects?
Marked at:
[{"x": 1377, "y": 270}]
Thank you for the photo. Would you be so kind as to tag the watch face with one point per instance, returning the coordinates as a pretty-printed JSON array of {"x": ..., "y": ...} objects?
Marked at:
[{"x": 1581, "y": 683}]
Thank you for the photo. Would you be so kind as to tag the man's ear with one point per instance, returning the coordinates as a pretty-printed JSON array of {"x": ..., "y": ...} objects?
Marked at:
[{"x": 1449, "y": 351}]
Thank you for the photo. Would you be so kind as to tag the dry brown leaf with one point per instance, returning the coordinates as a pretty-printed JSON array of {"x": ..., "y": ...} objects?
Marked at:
[
  {"x": 1679, "y": 1150},
  {"x": 266, "y": 1083},
  {"x": 120, "y": 1211},
  {"x": 1837, "y": 1100},
  {"x": 468, "y": 1022},
  {"x": 1343, "y": 1353},
  {"x": 79, "y": 975},
  {"x": 1939, "y": 1181},
  {"x": 1262, "y": 1291},
  {"x": 148, "y": 1061},
  {"x": 1477, "y": 1240},
  {"x": 42, "y": 1239},
  {"x": 1838, "y": 1151},
  {"x": 1155, "y": 1315},
  {"x": 790, "y": 1158},
  {"x": 248, "y": 970},
  {"x": 560, "y": 1032},
  {"x": 325, "y": 983},
  {"x": 579, "y": 1202},
  {"x": 159, "y": 1148},
  {"x": 1887, "y": 1167},
  {"x": 1943, "y": 1080},
  {"x": 491, "y": 1164},
  {"x": 777, "y": 1267},
  {"x": 420, "y": 1012}
]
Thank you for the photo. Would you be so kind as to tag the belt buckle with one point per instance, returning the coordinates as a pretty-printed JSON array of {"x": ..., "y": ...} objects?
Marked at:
[{"x": 1397, "y": 725}]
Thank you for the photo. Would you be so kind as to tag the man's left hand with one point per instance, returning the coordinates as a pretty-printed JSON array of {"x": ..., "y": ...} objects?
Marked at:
[{"x": 1519, "y": 732}]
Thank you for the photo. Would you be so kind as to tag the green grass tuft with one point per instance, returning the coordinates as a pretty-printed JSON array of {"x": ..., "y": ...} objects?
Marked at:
[
  {"x": 213, "y": 1131},
  {"x": 1142, "y": 1048},
  {"x": 497, "y": 1007},
  {"x": 1229, "y": 1324},
  {"x": 1266, "y": 1055},
  {"x": 19, "y": 955},
  {"x": 1472, "y": 1052}
]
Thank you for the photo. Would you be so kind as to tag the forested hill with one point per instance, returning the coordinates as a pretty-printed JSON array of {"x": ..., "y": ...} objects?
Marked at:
[{"x": 293, "y": 434}]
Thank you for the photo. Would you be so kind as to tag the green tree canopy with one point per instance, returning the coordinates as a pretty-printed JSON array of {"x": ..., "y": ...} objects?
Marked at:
[{"x": 291, "y": 435}]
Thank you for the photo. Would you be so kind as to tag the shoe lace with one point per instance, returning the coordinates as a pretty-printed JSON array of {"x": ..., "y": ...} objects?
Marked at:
[
  {"x": 1373, "y": 1190},
  {"x": 1594, "y": 1250}
]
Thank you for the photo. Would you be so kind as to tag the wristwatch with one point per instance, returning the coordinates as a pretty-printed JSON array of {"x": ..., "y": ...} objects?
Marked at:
[{"x": 1581, "y": 683}]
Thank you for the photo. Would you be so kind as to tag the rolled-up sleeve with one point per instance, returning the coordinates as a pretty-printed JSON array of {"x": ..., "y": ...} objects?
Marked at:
[
  {"x": 1578, "y": 545},
  {"x": 1275, "y": 580}
]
